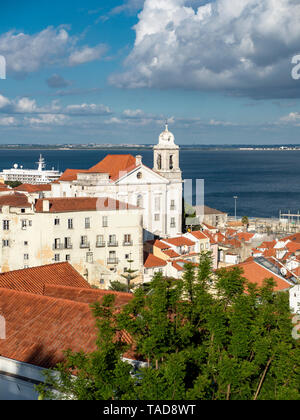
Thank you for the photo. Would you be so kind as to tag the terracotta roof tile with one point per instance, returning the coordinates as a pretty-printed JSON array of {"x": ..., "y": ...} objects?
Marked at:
[
  {"x": 198, "y": 234},
  {"x": 39, "y": 328},
  {"x": 180, "y": 241},
  {"x": 34, "y": 279},
  {"x": 70, "y": 175},
  {"x": 161, "y": 245},
  {"x": 255, "y": 273},
  {"x": 14, "y": 200},
  {"x": 31, "y": 188},
  {"x": 115, "y": 165},
  {"x": 60, "y": 205},
  {"x": 152, "y": 261},
  {"x": 85, "y": 295},
  {"x": 171, "y": 253}
]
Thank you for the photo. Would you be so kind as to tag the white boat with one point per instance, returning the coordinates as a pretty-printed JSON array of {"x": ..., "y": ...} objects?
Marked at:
[{"x": 31, "y": 176}]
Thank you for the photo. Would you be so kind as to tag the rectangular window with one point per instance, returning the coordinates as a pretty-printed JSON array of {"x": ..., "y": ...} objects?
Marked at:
[
  {"x": 5, "y": 243},
  {"x": 89, "y": 257},
  {"x": 24, "y": 224},
  {"x": 57, "y": 243},
  {"x": 112, "y": 240},
  {"x": 172, "y": 205},
  {"x": 57, "y": 257},
  {"x": 173, "y": 224},
  {"x": 100, "y": 241},
  {"x": 87, "y": 223},
  {"x": 70, "y": 223},
  {"x": 127, "y": 240},
  {"x": 25, "y": 243},
  {"x": 56, "y": 222},
  {"x": 104, "y": 221},
  {"x": 5, "y": 224},
  {"x": 157, "y": 217},
  {"x": 68, "y": 257},
  {"x": 26, "y": 256},
  {"x": 68, "y": 244}
]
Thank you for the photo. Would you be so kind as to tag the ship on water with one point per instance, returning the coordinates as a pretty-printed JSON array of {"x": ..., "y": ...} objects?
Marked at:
[{"x": 31, "y": 176}]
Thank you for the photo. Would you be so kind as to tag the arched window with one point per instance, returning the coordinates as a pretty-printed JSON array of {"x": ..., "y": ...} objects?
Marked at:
[
  {"x": 139, "y": 201},
  {"x": 171, "y": 165},
  {"x": 159, "y": 162}
]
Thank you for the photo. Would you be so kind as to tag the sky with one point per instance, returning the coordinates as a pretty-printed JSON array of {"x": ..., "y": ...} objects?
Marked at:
[{"x": 95, "y": 71}]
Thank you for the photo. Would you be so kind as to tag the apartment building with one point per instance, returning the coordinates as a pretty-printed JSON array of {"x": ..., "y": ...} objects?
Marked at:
[{"x": 98, "y": 236}]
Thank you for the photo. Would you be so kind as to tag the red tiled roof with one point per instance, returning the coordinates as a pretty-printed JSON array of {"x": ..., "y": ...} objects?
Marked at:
[
  {"x": 60, "y": 205},
  {"x": 39, "y": 328},
  {"x": 295, "y": 237},
  {"x": 4, "y": 187},
  {"x": 255, "y": 273},
  {"x": 14, "y": 200},
  {"x": 177, "y": 266},
  {"x": 180, "y": 241},
  {"x": 85, "y": 295},
  {"x": 267, "y": 245},
  {"x": 161, "y": 245},
  {"x": 70, "y": 175},
  {"x": 171, "y": 253},
  {"x": 31, "y": 188},
  {"x": 269, "y": 252},
  {"x": 209, "y": 227},
  {"x": 33, "y": 280},
  {"x": 198, "y": 234},
  {"x": 115, "y": 165},
  {"x": 152, "y": 261},
  {"x": 244, "y": 236},
  {"x": 293, "y": 246}
]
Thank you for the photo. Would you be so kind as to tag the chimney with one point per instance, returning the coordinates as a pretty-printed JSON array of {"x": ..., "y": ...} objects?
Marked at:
[
  {"x": 46, "y": 206},
  {"x": 138, "y": 160}
]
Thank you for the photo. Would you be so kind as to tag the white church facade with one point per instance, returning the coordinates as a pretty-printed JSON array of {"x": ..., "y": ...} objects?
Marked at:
[{"x": 157, "y": 191}]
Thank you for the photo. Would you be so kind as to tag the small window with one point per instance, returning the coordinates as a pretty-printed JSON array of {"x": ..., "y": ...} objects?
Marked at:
[
  {"x": 57, "y": 257},
  {"x": 56, "y": 222},
  {"x": 104, "y": 221},
  {"x": 89, "y": 257},
  {"x": 26, "y": 256},
  {"x": 68, "y": 257},
  {"x": 5, "y": 243},
  {"x": 23, "y": 210},
  {"x": 157, "y": 217},
  {"x": 173, "y": 224},
  {"x": 5, "y": 224},
  {"x": 25, "y": 243},
  {"x": 87, "y": 223},
  {"x": 70, "y": 223},
  {"x": 101, "y": 281},
  {"x": 139, "y": 175}
]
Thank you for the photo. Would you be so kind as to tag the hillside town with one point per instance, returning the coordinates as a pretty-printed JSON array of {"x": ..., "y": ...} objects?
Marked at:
[{"x": 66, "y": 242}]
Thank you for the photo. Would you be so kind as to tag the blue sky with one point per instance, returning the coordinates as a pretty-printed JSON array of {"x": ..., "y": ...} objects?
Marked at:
[{"x": 111, "y": 72}]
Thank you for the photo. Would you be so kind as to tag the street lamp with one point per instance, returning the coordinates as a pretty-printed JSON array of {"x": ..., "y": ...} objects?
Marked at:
[{"x": 235, "y": 198}]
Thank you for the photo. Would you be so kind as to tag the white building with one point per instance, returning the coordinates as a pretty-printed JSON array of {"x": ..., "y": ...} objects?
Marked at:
[
  {"x": 97, "y": 236},
  {"x": 124, "y": 177},
  {"x": 294, "y": 293}
]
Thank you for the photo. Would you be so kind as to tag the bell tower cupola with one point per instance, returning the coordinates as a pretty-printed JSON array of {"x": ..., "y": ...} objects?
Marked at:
[{"x": 166, "y": 156}]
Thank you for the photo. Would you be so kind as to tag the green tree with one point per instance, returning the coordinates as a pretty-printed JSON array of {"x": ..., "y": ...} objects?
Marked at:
[{"x": 207, "y": 336}]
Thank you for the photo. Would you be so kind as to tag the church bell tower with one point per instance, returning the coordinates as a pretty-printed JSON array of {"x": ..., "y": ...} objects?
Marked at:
[{"x": 166, "y": 156}]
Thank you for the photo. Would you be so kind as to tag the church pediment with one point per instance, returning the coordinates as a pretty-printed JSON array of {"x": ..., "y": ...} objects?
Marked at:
[{"x": 142, "y": 175}]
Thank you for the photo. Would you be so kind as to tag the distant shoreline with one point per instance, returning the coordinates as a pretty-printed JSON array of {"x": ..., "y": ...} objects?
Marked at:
[{"x": 62, "y": 148}]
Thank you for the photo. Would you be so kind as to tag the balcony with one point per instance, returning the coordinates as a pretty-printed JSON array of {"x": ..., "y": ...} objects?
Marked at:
[
  {"x": 112, "y": 244},
  {"x": 68, "y": 246},
  {"x": 127, "y": 243},
  {"x": 113, "y": 260},
  {"x": 100, "y": 244},
  {"x": 84, "y": 245}
]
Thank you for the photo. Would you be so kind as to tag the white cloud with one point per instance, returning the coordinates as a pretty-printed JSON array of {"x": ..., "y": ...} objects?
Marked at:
[
  {"x": 239, "y": 46},
  {"x": 8, "y": 121},
  {"x": 87, "y": 54},
  {"x": 51, "y": 47},
  {"x": 292, "y": 117},
  {"x": 133, "y": 113},
  {"x": 88, "y": 109},
  {"x": 46, "y": 119}
]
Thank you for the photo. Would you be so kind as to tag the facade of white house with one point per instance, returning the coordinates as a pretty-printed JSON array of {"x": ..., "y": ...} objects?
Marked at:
[
  {"x": 95, "y": 236},
  {"x": 124, "y": 177}
]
